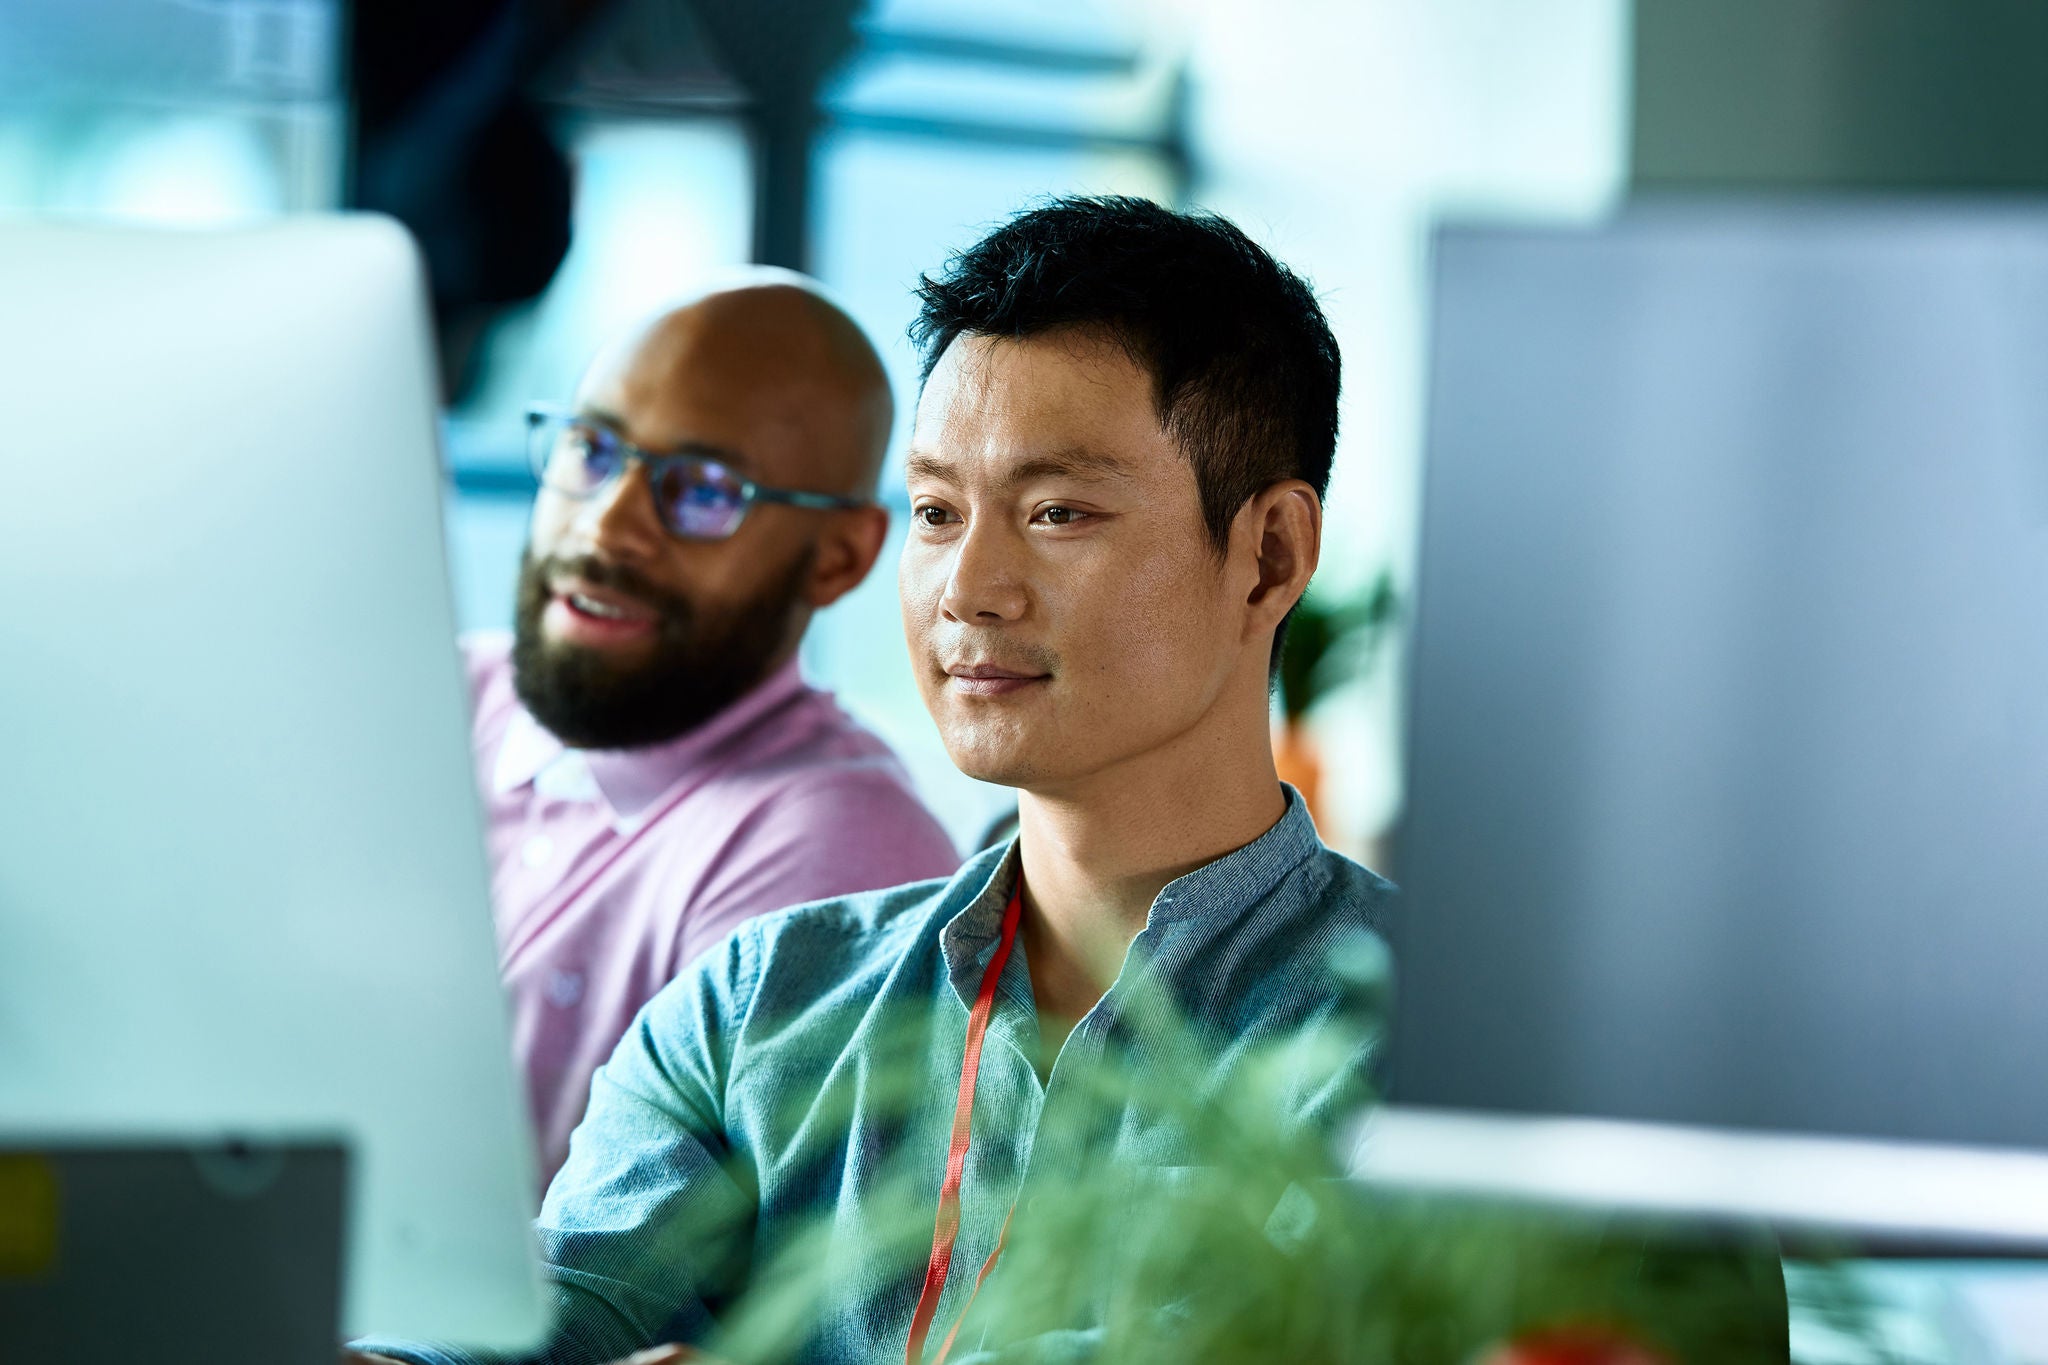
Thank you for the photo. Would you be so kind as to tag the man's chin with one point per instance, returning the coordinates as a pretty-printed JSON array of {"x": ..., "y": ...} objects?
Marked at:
[
  {"x": 593, "y": 697},
  {"x": 1003, "y": 765}
]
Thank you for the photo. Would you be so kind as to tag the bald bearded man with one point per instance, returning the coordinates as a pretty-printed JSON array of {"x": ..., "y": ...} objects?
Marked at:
[{"x": 655, "y": 769}]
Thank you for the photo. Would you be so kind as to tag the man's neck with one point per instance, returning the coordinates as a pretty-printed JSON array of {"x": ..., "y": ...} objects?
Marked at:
[{"x": 1096, "y": 854}]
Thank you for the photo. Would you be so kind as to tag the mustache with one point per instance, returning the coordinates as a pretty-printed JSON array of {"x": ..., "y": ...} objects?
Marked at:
[
  {"x": 603, "y": 573},
  {"x": 1015, "y": 655}
]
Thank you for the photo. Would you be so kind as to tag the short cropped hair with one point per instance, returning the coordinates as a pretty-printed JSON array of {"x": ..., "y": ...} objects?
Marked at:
[{"x": 1245, "y": 372}]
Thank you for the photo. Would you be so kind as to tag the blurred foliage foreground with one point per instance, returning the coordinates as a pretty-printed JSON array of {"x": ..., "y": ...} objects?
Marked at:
[{"x": 1265, "y": 1252}]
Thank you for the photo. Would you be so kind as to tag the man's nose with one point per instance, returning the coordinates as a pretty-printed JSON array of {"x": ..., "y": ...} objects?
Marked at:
[
  {"x": 987, "y": 583},
  {"x": 619, "y": 521}
]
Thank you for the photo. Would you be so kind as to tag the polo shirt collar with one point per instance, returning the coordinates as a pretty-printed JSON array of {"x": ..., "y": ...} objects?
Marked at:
[{"x": 630, "y": 781}]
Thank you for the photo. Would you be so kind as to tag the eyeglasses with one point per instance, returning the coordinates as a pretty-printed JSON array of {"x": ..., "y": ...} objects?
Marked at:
[{"x": 696, "y": 497}]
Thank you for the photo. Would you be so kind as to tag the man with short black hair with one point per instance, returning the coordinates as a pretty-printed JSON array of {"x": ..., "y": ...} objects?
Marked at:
[
  {"x": 1245, "y": 373},
  {"x": 1116, "y": 481}
]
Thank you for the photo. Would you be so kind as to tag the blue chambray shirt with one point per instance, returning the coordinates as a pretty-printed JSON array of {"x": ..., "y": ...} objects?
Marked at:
[{"x": 761, "y": 1096}]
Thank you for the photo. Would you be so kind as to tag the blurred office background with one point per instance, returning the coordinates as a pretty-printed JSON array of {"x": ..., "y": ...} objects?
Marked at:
[{"x": 573, "y": 165}]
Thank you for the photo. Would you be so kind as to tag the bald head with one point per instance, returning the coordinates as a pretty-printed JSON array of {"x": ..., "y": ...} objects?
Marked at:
[
  {"x": 631, "y": 629},
  {"x": 785, "y": 378}
]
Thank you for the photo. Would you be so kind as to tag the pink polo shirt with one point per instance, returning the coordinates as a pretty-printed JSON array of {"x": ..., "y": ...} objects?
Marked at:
[{"x": 611, "y": 870}]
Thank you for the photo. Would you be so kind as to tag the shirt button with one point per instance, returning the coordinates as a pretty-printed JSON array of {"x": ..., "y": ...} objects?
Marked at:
[
  {"x": 537, "y": 851},
  {"x": 564, "y": 988}
]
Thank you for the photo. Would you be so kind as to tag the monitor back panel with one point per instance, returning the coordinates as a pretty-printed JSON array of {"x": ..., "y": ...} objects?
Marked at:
[
  {"x": 242, "y": 877},
  {"x": 1729, "y": 731}
]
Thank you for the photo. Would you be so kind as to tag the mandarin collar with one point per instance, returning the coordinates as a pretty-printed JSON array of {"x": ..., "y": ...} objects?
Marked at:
[
  {"x": 1244, "y": 875},
  {"x": 1213, "y": 893}
]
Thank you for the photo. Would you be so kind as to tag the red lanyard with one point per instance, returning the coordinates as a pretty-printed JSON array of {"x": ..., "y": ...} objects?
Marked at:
[{"x": 948, "y": 1227}]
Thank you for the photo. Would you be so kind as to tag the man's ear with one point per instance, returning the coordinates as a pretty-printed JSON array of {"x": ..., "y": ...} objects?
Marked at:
[
  {"x": 1283, "y": 529},
  {"x": 847, "y": 550}
]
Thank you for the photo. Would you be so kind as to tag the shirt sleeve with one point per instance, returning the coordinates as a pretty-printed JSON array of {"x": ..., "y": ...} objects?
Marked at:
[
  {"x": 646, "y": 1231},
  {"x": 862, "y": 831}
]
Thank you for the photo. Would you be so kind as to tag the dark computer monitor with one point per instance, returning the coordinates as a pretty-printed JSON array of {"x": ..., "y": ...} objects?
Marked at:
[{"x": 1727, "y": 841}]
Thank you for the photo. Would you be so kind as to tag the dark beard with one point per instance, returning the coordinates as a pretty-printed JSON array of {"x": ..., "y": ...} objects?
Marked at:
[{"x": 699, "y": 665}]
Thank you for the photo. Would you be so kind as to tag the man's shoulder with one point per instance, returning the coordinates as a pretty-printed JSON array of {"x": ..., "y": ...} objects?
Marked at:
[
  {"x": 828, "y": 739},
  {"x": 852, "y": 943},
  {"x": 1352, "y": 890},
  {"x": 834, "y": 781},
  {"x": 1289, "y": 951},
  {"x": 799, "y": 958},
  {"x": 866, "y": 809},
  {"x": 862, "y": 781},
  {"x": 859, "y": 928}
]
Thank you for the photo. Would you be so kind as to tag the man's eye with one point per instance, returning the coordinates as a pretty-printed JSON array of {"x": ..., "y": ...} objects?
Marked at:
[
  {"x": 930, "y": 515},
  {"x": 1059, "y": 516},
  {"x": 599, "y": 450}
]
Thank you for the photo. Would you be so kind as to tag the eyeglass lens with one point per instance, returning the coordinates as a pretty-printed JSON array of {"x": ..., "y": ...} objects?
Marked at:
[{"x": 698, "y": 500}]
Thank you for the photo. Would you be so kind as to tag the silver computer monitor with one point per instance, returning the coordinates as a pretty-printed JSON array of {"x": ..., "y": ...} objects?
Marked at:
[
  {"x": 1727, "y": 843},
  {"x": 242, "y": 879}
]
